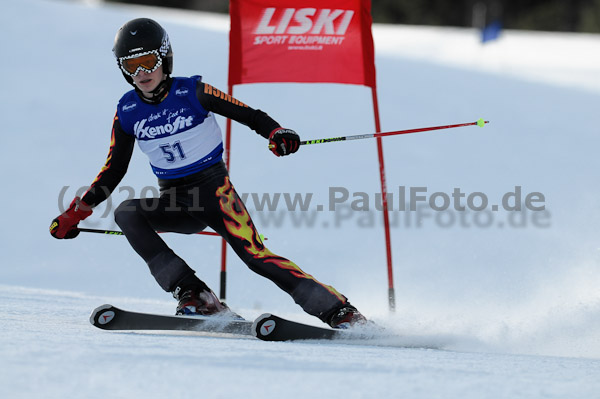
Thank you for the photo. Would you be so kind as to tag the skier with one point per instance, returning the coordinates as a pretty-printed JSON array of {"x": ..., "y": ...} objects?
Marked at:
[{"x": 172, "y": 120}]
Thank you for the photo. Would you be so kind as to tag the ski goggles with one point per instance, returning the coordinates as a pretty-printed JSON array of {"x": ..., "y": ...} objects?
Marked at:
[{"x": 148, "y": 62}]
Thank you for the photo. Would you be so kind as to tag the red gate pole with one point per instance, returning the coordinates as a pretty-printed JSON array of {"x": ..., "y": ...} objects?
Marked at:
[
  {"x": 386, "y": 217},
  {"x": 226, "y": 155}
]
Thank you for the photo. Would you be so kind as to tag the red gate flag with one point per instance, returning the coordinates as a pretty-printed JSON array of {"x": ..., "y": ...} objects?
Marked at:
[
  {"x": 305, "y": 41},
  {"x": 311, "y": 41}
]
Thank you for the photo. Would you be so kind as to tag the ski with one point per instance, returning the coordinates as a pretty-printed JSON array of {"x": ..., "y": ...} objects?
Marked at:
[
  {"x": 108, "y": 317},
  {"x": 269, "y": 327}
]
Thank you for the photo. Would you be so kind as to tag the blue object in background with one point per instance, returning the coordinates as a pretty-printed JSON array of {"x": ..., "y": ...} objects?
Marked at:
[{"x": 491, "y": 31}]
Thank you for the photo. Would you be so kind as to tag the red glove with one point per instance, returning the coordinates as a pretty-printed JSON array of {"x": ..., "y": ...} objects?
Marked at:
[
  {"x": 284, "y": 141},
  {"x": 65, "y": 226}
]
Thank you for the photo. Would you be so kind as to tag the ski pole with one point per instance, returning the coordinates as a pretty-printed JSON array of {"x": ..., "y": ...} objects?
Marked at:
[
  {"x": 480, "y": 122},
  {"x": 120, "y": 233}
]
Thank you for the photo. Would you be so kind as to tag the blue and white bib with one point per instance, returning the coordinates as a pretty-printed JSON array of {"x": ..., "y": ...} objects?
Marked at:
[{"x": 178, "y": 135}]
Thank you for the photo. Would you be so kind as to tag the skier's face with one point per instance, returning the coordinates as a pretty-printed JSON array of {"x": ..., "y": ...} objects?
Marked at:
[{"x": 147, "y": 82}]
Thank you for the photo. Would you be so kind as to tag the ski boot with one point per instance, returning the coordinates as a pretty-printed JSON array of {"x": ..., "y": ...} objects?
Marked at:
[
  {"x": 201, "y": 302},
  {"x": 346, "y": 317}
]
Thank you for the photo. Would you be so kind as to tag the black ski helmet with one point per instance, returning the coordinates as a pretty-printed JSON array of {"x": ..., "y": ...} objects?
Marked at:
[{"x": 142, "y": 35}]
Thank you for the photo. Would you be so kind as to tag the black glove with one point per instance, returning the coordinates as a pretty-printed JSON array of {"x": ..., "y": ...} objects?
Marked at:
[{"x": 284, "y": 141}]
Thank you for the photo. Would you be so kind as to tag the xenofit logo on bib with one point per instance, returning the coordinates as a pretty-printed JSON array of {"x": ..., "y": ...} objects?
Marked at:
[
  {"x": 182, "y": 91},
  {"x": 130, "y": 106},
  {"x": 142, "y": 131}
]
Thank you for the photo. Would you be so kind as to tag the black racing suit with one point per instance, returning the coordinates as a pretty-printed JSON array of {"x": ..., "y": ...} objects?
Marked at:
[{"x": 207, "y": 198}]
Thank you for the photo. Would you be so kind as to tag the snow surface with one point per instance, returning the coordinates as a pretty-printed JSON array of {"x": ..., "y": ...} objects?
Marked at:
[{"x": 514, "y": 303}]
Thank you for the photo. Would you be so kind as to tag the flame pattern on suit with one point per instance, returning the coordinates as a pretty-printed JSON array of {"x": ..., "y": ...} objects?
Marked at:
[
  {"x": 108, "y": 162},
  {"x": 240, "y": 225}
]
